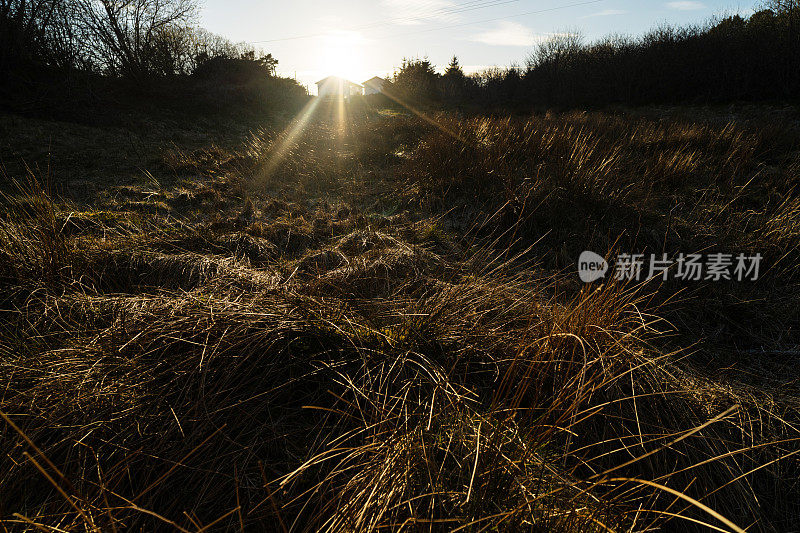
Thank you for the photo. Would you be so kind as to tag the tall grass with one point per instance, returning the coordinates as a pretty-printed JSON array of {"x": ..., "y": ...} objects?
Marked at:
[{"x": 322, "y": 363}]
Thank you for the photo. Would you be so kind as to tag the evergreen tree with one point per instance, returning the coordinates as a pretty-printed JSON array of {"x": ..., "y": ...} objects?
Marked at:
[{"x": 454, "y": 69}]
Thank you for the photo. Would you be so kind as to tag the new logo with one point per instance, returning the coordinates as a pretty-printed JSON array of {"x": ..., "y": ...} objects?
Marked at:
[{"x": 591, "y": 267}]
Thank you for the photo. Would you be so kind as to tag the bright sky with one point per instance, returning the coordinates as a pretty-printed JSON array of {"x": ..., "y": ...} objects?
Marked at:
[{"x": 358, "y": 39}]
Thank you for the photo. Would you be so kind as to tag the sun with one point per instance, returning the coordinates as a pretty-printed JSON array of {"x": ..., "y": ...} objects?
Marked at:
[{"x": 342, "y": 54}]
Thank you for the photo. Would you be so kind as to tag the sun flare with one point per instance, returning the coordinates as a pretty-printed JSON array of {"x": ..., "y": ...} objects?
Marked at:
[{"x": 343, "y": 55}]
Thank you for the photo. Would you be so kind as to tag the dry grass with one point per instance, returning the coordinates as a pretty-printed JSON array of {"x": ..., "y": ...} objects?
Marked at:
[{"x": 335, "y": 335}]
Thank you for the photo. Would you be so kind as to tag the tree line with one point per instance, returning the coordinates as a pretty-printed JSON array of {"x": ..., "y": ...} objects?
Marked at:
[
  {"x": 729, "y": 59},
  {"x": 75, "y": 57},
  {"x": 123, "y": 38}
]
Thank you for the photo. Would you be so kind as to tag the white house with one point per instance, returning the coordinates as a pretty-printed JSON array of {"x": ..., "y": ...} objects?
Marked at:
[
  {"x": 374, "y": 85},
  {"x": 334, "y": 87}
]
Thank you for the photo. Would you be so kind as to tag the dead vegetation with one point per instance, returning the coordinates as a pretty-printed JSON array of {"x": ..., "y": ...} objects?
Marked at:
[{"x": 365, "y": 326}]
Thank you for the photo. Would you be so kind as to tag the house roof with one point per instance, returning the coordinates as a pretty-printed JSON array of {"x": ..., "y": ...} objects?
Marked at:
[
  {"x": 335, "y": 78},
  {"x": 374, "y": 79}
]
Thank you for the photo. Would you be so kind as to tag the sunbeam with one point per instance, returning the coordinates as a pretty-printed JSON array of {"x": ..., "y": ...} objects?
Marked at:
[
  {"x": 284, "y": 141},
  {"x": 389, "y": 93}
]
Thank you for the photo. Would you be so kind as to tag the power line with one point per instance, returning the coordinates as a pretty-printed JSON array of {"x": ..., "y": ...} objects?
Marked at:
[
  {"x": 469, "y": 6},
  {"x": 490, "y": 4},
  {"x": 498, "y": 18}
]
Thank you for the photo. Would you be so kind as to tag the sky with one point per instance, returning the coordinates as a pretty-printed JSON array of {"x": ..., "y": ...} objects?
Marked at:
[{"x": 359, "y": 39}]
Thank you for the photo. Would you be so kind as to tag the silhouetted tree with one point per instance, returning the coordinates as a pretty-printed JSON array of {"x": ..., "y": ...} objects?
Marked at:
[
  {"x": 24, "y": 27},
  {"x": 416, "y": 80},
  {"x": 268, "y": 63},
  {"x": 454, "y": 82},
  {"x": 454, "y": 69},
  {"x": 782, "y": 6},
  {"x": 124, "y": 35}
]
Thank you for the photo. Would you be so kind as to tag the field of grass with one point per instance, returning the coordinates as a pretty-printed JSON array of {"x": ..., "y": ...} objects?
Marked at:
[{"x": 371, "y": 319}]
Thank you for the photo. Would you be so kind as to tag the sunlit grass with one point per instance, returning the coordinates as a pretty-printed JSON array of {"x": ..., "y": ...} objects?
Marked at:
[{"x": 370, "y": 321}]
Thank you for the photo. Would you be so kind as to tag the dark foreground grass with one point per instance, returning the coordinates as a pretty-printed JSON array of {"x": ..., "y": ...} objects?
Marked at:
[{"x": 363, "y": 324}]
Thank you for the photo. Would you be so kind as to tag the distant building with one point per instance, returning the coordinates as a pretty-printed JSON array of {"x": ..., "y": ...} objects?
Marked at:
[
  {"x": 334, "y": 87},
  {"x": 374, "y": 85}
]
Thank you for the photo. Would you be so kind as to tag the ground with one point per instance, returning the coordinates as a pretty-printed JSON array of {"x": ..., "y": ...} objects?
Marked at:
[{"x": 370, "y": 318}]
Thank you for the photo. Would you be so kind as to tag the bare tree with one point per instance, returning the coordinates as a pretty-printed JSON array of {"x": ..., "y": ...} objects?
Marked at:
[
  {"x": 555, "y": 49},
  {"x": 124, "y": 33},
  {"x": 782, "y": 6}
]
